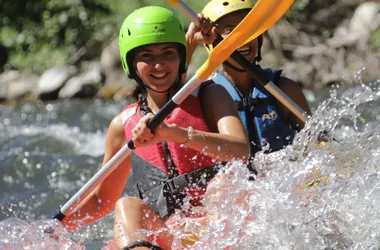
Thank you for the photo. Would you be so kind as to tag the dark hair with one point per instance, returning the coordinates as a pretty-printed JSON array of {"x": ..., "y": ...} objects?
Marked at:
[{"x": 140, "y": 94}]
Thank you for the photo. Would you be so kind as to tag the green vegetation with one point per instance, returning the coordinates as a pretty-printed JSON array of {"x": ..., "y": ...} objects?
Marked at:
[
  {"x": 42, "y": 33},
  {"x": 375, "y": 40}
]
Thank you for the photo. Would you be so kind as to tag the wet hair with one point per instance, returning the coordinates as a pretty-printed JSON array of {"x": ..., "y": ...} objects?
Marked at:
[{"x": 140, "y": 94}]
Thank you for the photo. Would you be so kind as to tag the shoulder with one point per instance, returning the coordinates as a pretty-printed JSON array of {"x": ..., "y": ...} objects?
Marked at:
[
  {"x": 288, "y": 85},
  {"x": 294, "y": 91},
  {"x": 115, "y": 138},
  {"x": 207, "y": 83},
  {"x": 116, "y": 127},
  {"x": 209, "y": 88},
  {"x": 129, "y": 111},
  {"x": 213, "y": 90},
  {"x": 215, "y": 96}
]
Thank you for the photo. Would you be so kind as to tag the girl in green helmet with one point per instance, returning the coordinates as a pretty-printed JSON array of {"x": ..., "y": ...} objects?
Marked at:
[
  {"x": 170, "y": 162},
  {"x": 269, "y": 124}
]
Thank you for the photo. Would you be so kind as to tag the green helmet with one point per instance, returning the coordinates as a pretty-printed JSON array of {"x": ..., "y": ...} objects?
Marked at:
[{"x": 150, "y": 25}]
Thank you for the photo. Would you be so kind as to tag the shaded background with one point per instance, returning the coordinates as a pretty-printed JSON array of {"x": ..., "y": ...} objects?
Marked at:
[{"x": 317, "y": 43}]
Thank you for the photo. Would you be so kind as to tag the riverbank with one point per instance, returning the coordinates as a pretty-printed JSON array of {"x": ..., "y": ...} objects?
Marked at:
[{"x": 323, "y": 46}]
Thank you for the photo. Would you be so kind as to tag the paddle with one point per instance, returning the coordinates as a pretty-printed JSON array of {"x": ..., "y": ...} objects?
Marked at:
[
  {"x": 253, "y": 69},
  {"x": 256, "y": 18}
]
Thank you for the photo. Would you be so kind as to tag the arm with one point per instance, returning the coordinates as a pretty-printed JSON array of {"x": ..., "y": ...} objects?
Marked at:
[
  {"x": 294, "y": 92},
  {"x": 228, "y": 140},
  {"x": 102, "y": 200}
]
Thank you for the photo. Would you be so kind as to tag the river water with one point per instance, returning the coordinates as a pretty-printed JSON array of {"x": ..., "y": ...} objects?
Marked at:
[{"x": 306, "y": 197}]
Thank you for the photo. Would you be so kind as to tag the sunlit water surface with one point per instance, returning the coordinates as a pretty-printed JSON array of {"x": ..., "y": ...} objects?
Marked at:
[{"x": 307, "y": 196}]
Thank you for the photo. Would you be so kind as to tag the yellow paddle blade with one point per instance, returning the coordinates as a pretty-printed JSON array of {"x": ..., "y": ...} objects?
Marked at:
[
  {"x": 248, "y": 27},
  {"x": 173, "y": 2},
  {"x": 189, "y": 239},
  {"x": 280, "y": 10}
]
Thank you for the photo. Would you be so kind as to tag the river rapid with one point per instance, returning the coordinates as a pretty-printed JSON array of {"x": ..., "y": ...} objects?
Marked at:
[{"x": 307, "y": 196}]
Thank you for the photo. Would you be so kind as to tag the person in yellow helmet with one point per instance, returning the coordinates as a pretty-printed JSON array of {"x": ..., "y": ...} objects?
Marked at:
[{"x": 269, "y": 124}]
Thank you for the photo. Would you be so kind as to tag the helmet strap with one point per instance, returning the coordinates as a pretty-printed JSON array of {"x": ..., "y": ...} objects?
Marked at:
[
  {"x": 160, "y": 92},
  {"x": 229, "y": 65},
  {"x": 259, "y": 45}
]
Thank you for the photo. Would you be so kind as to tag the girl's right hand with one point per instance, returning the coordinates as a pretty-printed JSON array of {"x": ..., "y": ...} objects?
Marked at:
[{"x": 142, "y": 136}]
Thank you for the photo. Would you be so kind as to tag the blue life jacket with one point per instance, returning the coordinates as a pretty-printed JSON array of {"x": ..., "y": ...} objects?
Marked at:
[{"x": 258, "y": 112}]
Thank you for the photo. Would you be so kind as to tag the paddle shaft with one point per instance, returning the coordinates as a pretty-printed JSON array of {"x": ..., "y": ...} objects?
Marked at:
[
  {"x": 124, "y": 152},
  {"x": 249, "y": 67}
]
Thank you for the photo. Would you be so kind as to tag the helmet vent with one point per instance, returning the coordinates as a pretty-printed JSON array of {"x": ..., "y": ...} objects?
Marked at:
[
  {"x": 226, "y": 3},
  {"x": 129, "y": 32}
]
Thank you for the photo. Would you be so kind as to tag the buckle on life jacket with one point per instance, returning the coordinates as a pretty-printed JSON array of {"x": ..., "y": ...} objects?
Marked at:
[
  {"x": 246, "y": 103},
  {"x": 168, "y": 196},
  {"x": 171, "y": 186}
]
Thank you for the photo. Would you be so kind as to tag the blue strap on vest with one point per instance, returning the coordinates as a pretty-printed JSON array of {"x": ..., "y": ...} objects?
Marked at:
[
  {"x": 218, "y": 78},
  {"x": 268, "y": 128}
]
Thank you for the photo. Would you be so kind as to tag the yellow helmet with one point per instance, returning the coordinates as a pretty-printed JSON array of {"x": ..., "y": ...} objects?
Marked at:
[{"x": 216, "y": 9}]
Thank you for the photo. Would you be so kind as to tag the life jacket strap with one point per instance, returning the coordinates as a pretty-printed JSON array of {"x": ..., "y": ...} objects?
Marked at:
[
  {"x": 173, "y": 172},
  {"x": 168, "y": 196},
  {"x": 249, "y": 103}
]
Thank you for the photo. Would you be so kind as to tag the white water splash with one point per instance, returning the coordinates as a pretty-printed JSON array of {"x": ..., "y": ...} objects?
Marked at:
[
  {"x": 16, "y": 234},
  {"x": 78, "y": 141},
  {"x": 307, "y": 196}
]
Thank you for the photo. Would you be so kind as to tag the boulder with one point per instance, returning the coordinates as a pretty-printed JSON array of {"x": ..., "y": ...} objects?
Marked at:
[
  {"x": 53, "y": 79},
  {"x": 85, "y": 85},
  {"x": 17, "y": 84}
]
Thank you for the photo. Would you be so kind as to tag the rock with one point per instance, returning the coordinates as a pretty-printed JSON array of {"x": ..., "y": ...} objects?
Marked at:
[
  {"x": 364, "y": 15},
  {"x": 124, "y": 92},
  {"x": 85, "y": 85},
  {"x": 3, "y": 93},
  {"x": 110, "y": 60},
  {"x": 117, "y": 92},
  {"x": 52, "y": 80},
  {"x": 93, "y": 72},
  {"x": 358, "y": 29},
  {"x": 16, "y": 84},
  {"x": 23, "y": 86}
]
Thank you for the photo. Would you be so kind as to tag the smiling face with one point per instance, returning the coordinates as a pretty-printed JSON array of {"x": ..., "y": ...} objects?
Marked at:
[
  {"x": 157, "y": 65},
  {"x": 226, "y": 24}
]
